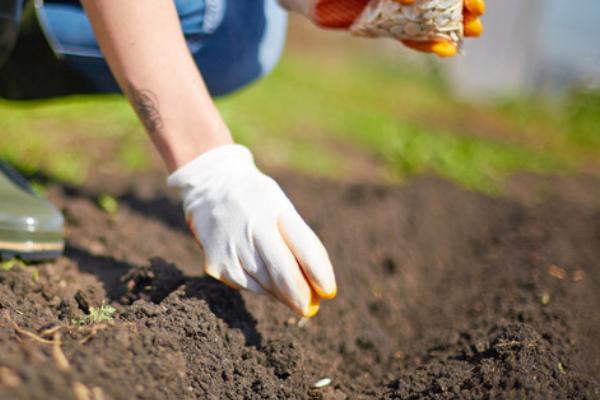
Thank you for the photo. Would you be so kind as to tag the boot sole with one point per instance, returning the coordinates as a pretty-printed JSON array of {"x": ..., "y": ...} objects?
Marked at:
[{"x": 31, "y": 251}]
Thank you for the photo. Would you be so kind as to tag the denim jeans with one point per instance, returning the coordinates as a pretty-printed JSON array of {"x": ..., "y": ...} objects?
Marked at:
[{"x": 233, "y": 42}]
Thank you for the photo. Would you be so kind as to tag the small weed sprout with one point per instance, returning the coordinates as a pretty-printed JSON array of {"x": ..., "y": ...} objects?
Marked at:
[
  {"x": 38, "y": 188},
  {"x": 35, "y": 274},
  {"x": 9, "y": 264},
  {"x": 108, "y": 203},
  {"x": 96, "y": 316},
  {"x": 16, "y": 262}
]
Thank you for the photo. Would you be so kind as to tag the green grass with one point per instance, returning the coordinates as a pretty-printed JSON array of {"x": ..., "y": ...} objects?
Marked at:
[
  {"x": 570, "y": 121},
  {"x": 298, "y": 116},
  {"x": 9, "y": 264},
  {"x": 68, "y": 137},
  {"x": 371, "y": 106}
]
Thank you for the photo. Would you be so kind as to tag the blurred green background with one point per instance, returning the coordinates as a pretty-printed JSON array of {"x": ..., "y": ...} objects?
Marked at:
[{"x": 336, "y": 108}]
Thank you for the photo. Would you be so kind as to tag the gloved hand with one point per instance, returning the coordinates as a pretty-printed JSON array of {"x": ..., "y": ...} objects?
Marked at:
[
  {"x": 342, "y": 14},
  {"x": 253, "y": 237},
  {"x": 473, "y": 27}
]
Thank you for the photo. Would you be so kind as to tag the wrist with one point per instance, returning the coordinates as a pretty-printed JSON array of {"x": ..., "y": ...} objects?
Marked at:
[
  {"x": 196, "y": 145},
  {"x": 183, "y": 125},
  {"x": 180, "y": 147},
  {"x": 210, "y": 170}
]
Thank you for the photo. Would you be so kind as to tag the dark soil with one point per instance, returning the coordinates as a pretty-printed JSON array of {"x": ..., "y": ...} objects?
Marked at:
[{"x": 444, "y": 293}]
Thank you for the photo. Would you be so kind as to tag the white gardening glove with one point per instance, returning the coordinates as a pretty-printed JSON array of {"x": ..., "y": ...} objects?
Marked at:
[{"x": 253, "y": 237}]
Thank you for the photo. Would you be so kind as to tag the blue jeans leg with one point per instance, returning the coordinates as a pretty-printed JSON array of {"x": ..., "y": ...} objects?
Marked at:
[{"x": 233, "y": 42}]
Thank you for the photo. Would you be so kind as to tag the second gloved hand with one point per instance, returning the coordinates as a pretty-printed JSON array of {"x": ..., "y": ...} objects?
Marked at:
[
  {"x": 343, "y": 13},
  {"x": 253, "y": 237}
]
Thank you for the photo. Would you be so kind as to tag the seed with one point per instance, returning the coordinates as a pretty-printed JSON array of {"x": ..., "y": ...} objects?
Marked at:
[
  {"x": 442, "y": 20},
  {"x": 321, "y": 383},
  {"x": 9, "y": 378},
  {"x": 432, "y": 21},
  {"x": 578, "y": 275},
  {"x": 557, "y": 272},
  {"x": 429, "y": 14},
  {"x": 545, "y": 300},
  {"x": 412, "y": 29}
]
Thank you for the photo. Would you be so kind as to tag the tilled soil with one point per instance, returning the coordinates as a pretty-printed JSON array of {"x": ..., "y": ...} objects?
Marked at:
[{"x": 444, "y": 293}]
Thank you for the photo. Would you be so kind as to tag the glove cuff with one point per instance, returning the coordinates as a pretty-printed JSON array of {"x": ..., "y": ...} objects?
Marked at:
[
  {"x": 213, "y": 162},
  {"x": 337, "y": 14}
]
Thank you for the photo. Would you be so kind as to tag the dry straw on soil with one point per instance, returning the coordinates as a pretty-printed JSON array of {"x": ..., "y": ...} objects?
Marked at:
[{"x": 424, "y": 20}]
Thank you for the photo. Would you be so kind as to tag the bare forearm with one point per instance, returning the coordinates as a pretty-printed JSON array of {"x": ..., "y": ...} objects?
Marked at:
[{"x": 147, "y": 53}]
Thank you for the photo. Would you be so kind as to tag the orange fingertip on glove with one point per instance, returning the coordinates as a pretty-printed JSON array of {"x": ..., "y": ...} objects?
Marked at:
[
  {"x": 473, "y": 26},
  {"x": 472, "y": 11},
  {"x": 442, "y": 48},
  {"x": 314, "y": 306},
  {"x": 475, "y": 7}
]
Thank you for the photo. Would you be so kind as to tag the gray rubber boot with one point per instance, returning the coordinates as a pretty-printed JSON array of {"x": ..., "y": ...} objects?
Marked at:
[
  {"x": 30, "y": 227},
  {"x": 10, "y": 20}
]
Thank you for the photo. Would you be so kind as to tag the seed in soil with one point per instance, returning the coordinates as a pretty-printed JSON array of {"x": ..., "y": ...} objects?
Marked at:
[
  {"x": 321, "y": 383},
  {"x": 545, "y": 300},
  {"x": 557, "y": 272}
]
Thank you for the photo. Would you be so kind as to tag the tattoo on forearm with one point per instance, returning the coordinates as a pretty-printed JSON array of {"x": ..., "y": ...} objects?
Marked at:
[{"x": 146, "y": 104}]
